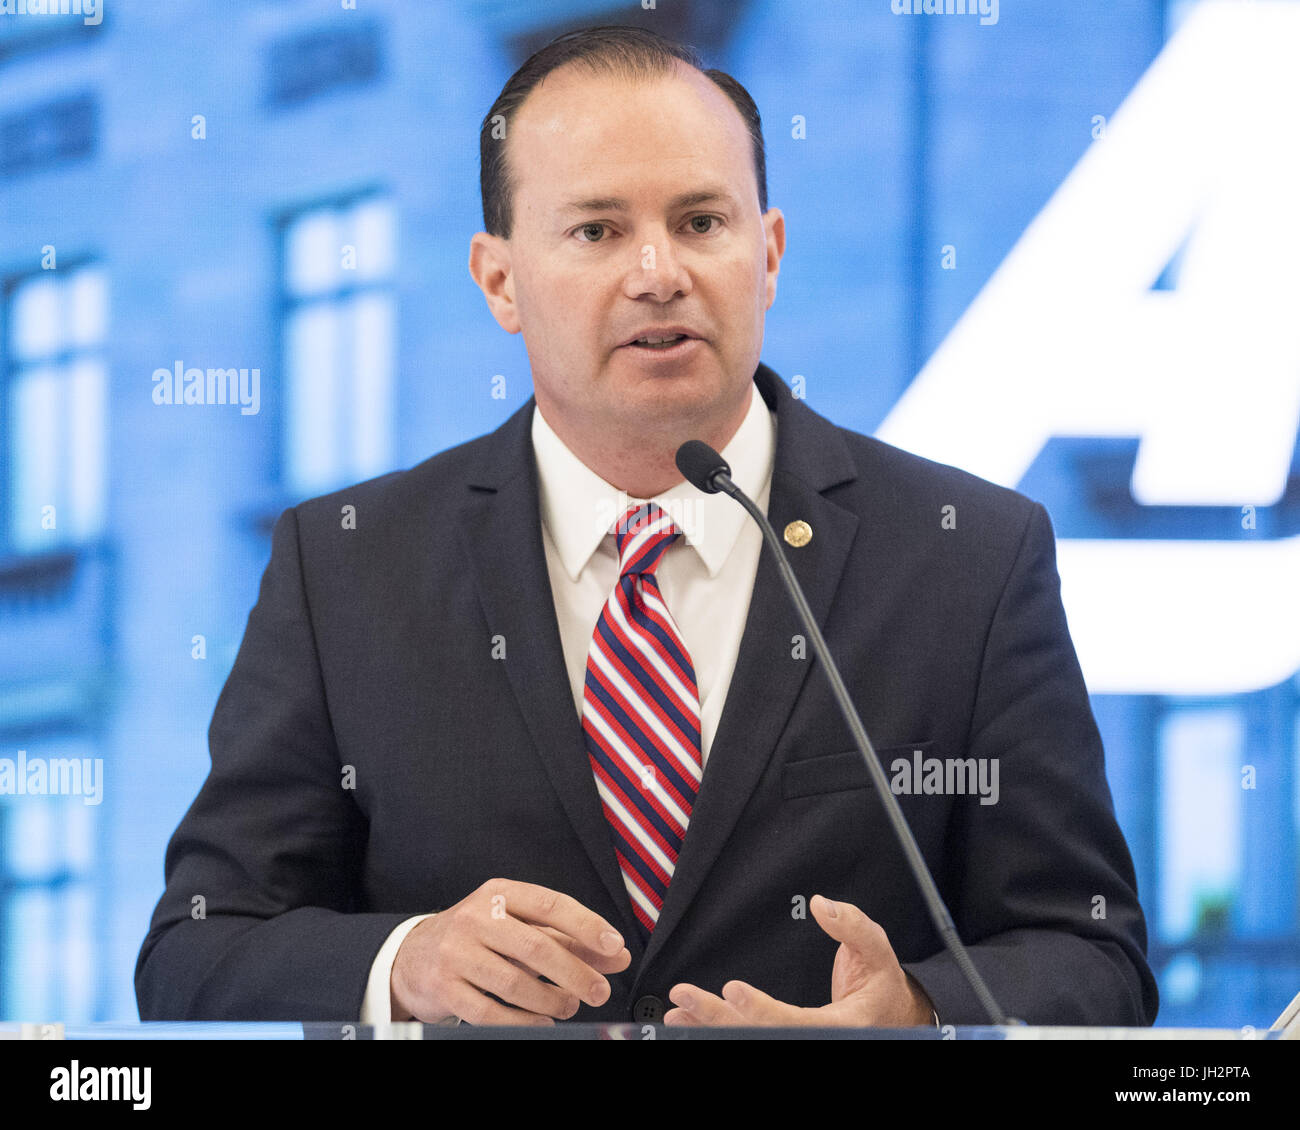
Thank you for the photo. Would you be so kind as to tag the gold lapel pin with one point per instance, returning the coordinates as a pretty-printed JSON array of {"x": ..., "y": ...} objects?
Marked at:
[{"x": 798, "y": 533}]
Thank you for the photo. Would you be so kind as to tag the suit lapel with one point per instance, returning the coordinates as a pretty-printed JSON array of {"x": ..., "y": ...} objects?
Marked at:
[
  {"x": 810, "y": 458},
  {"x": 501, "y": 525}
]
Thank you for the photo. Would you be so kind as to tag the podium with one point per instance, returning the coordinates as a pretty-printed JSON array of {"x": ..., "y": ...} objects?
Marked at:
[{"x": 349, "y": 1030}]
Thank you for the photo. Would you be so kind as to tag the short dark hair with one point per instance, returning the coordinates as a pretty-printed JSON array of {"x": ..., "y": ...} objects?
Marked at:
[{"x": 610, "y": 49}]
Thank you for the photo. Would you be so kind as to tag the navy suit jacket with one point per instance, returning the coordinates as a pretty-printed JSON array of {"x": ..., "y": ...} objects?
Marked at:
[{"x": 374, "y": 757}]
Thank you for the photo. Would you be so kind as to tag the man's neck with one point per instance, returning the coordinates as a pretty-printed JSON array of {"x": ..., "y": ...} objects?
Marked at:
[{"x": 644, "y": 465}]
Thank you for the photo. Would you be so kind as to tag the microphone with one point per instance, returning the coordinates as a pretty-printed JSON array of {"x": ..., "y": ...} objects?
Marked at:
[
  {"x": 706, "y": 470},
  {"x": 702, "y": 467}
]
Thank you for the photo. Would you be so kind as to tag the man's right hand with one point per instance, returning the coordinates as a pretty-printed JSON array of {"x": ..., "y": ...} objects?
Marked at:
[{"x": 503, "y": 939}]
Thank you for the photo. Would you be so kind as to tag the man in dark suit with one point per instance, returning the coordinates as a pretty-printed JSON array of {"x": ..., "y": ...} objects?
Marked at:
[{"x": 415, "y": 806}]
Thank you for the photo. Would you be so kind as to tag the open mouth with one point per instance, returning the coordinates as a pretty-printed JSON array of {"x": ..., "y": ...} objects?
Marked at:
[
  {"x": 659, "y": 343},
  {"x": 665, "y": 348}
]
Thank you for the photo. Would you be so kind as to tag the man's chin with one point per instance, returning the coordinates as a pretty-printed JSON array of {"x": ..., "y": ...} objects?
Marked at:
[
  {"x": 698, "y": 380},
  {"x": 666, "y": 400}
]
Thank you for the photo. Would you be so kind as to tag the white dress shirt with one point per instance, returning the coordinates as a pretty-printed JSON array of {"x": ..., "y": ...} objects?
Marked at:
[{"x": 706, "y": 579}]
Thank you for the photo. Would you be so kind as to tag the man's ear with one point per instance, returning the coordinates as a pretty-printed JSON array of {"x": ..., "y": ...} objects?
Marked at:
[
  {"x": 491, "y": 269},
  {"x": 774, "y": 230}
]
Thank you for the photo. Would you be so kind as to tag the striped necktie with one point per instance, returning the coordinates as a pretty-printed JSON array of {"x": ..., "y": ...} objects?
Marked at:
[{"x": 641, "y": 716}]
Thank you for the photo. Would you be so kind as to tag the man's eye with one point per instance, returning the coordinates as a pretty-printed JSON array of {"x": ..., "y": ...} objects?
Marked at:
[{"x": 594, "y": 232}]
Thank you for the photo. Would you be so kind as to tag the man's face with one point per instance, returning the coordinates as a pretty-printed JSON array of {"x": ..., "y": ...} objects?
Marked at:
[{"x": 636, "y": 206}]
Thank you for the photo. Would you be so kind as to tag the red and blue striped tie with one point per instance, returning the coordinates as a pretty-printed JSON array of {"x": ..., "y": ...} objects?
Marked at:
[{"x": 641, "y": 716}]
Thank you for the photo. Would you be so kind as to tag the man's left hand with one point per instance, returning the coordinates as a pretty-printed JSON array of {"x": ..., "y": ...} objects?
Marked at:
[{"x": 869, "y": 989}]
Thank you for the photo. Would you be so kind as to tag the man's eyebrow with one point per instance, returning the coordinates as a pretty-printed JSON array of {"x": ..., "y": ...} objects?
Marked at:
[{"x": 619, "y": 204}]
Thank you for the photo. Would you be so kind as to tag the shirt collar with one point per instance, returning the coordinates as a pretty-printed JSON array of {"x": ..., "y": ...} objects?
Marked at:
[{"x": 579, "y": 508}]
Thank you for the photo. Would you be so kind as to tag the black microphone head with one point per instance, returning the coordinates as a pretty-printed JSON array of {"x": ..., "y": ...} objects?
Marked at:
[{"x": 700, "y": 464}]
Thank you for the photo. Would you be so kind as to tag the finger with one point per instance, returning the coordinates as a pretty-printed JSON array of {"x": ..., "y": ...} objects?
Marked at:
[
  {"x": 756, "y": 1007},
  {"x": 519, "y": 987},
  {"x": 472, "y": 1006},
  {"x": 545, "y": 907},
  {"x": 681, "y": 1018},
  {"x": 701, "y": 1008},
  {"x": 545, "y": 957},
  {"x": 847, "y": 924},
  {"x": 601, "y": 962}
]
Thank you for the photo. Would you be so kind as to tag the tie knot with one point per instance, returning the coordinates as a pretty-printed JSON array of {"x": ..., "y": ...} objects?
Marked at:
[{"x": 643, "y": 536}]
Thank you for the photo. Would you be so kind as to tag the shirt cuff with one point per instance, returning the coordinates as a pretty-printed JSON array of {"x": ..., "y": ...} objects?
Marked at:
[{"x": 377, "y": 1004}]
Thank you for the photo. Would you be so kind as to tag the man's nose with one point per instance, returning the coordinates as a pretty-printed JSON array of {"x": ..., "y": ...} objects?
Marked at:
[{"x": 657, "y": 270}]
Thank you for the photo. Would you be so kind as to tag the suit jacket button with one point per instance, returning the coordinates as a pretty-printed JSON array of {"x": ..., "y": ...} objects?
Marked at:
[{"x": 648, "y": 1010}]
